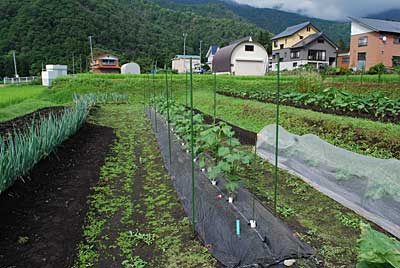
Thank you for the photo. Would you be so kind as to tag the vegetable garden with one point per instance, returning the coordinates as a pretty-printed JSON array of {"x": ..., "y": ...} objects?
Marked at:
[{"x": 237, "y": 202}]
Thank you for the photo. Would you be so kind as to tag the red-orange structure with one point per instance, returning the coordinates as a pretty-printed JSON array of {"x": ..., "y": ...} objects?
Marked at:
[{"x": 105, "y": 63}]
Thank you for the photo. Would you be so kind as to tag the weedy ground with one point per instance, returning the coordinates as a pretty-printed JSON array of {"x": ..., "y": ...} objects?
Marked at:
[{"x": 135, "y": 218}]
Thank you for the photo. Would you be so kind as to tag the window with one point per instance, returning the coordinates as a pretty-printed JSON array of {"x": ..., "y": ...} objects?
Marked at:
[
  {"x": 295, "y": 54},
  {"x": 317, "y": 55},
  {"x": 275, "y": 43},
  {"x": 282, "y": 46},
  {"x": 362, "y": 56},
  {"x": 321, "y": 40},
  {"x": 308, "y": 28},
  {"x": 363, "y": 41},
  {"x": 346, "y": 60},
  {"x": 249, "y": 48},
  {"x": 285, "y": 41},
  {"x": 294, "y": 64},
  {"x": 285, "y": 54},
  {"x": 396, "y": 40},
  {"x": 301, "y": 37},
  {"x": 108, "y": 62},
  {"x": 396, "y": 61}
]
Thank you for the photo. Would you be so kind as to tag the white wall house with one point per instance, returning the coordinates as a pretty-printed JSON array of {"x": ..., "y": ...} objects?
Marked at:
[
  {"x": 52, "y": 72},
  {"x": 181, "y": 63},
  {"x": 242, "y": 57}
]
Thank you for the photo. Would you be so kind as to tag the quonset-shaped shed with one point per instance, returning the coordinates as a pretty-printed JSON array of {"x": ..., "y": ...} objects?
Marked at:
[
  {"x": 242, "y": 57},
  {"x": 130, "y": 68}
]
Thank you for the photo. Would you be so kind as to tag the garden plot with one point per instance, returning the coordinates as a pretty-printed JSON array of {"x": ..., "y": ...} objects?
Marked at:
[
  {"x": 367, "y": 185},
  {"x": 217, "y": 220}
]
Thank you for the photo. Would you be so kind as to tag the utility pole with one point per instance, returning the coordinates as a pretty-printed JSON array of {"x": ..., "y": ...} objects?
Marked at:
[
  {"x": 15, "y": 65},
  {"x": 80, "y": 63},
  {"x": 91, "y": 48},
  {"x": 201, "y": 43},
  {"x": 73, "y": 63}
]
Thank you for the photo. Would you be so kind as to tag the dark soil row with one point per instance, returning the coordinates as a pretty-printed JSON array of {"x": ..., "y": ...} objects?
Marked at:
[
  {"x": 22, "y": 122},
  {"x": 42, "y": 215},
  {"x": 390, "y": 119}
]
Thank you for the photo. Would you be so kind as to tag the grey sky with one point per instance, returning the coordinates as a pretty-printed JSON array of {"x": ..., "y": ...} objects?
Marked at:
[{"x": 327, "y": 9}]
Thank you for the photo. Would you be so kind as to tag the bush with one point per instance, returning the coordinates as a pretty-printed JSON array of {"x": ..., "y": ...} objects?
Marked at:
[
  {"x": 377, "y": 69},
  {"x": 308, "y": 82}
]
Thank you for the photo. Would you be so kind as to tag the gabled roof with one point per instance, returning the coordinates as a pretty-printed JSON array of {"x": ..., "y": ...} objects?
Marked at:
[
  {"x": 212, "y": 50},
  {"x": 293, "y": 29},
  {"x": 311, "y": 38},
  {"x": 379, "y": 25}
]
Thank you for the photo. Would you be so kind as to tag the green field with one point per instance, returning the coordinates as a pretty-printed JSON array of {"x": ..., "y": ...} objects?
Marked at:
[{"x": 327, "y": 226}]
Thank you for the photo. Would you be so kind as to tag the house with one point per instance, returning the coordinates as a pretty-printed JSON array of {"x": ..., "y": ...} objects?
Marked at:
[
  {"x": 104, "y": 64},
  {"x": 373, "y": 42},
  {"x": 210, "y": 54},
  {"x": 181, "y": 63},
  {"x": 300, "y": 45},
  {"x": 241, "y": 57},
  {"x": 343, "y": 60},
  {"x": 52, "y": 72},
  {"x": 130, "y": 68}
]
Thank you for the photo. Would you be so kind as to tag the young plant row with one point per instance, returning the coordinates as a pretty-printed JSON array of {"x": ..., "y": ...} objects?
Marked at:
[
  {"x": 331, "y": 100},
  {"x": 216, "y": 149},
  {"x": 21, "y": 150}
]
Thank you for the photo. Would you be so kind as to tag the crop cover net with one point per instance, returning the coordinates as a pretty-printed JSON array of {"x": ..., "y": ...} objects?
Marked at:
[
  {"x": 269, "y": 244},
  {"x": 369, "y": 186}
]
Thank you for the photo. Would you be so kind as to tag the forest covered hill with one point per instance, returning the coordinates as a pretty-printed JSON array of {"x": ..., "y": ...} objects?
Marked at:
[{"x": 53, "y": 32}]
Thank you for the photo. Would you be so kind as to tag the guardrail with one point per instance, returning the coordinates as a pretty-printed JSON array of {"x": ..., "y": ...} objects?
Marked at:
[{"x": 19, "y": 80}]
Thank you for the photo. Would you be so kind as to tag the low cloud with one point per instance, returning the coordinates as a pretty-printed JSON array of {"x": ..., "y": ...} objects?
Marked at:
[{"x": 327, "y": 9}]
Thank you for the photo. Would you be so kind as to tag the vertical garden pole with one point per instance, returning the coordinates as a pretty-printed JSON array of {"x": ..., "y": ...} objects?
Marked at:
[
  {"x": 255, "y": 170},
  {"x": 170, "y": 85},
  {"x": 215, "y": 98},
  {"x": 154, "y": 100},
  {"x": 192, "y": 147},
  {"x": 277, "y": 134},
  {"x": 168, "y": 119},
  {"x": 186, "y": 86}
]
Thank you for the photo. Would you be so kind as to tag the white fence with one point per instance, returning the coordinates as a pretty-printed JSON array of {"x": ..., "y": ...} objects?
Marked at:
[{"x": 19, "y": 80}]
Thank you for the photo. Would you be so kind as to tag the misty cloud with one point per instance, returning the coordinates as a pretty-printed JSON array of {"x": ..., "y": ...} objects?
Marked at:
[{"x": 327, "y": 9}]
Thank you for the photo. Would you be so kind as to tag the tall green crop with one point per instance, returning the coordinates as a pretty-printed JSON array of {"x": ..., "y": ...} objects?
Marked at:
[{"x": 20, "y": 151}]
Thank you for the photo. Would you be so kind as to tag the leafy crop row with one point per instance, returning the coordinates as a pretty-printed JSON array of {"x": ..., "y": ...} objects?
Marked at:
[
  {"x": 215, "y": 146},
  {"x": 375, "y": 105}
]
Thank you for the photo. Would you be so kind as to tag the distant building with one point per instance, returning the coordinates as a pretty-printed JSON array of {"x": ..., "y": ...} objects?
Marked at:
[
  {"x": 241, "y": 57},
  {"x": 343, "y": 60},
  {"x": 300, "y": 45},
  {"x": 52, "y": 72},
  {"x": 105, "y": 64},
  {"x": 181, "y": 63},
  {"x": 373, "y": 42},
  {"x": 210, "y": 54},
  {"x": 130, "y": 68}
]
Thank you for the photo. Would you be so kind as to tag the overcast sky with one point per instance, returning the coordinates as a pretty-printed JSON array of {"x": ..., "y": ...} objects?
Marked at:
[{"x": 327, "y": 9}]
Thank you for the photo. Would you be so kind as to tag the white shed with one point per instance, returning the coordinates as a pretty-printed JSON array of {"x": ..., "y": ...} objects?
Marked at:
[
  {"x": 52, "y": 72},
  {"x": 130, "y": 68},
  {"x": 242, "y": 57}
]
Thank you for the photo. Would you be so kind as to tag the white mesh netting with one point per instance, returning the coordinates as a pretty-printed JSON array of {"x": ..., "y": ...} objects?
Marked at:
[{"x": 367, "y": 185}]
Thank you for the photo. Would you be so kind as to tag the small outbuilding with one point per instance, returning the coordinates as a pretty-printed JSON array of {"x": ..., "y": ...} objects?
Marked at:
[
  {"x": 130, "y": 68},
  {"x": 52, "y": 72},
  {"x": 242, "y": 57}
]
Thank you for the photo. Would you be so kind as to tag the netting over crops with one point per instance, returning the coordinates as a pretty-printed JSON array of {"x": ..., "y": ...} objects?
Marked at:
[
  {"x": 367, "y": 185},
  {"x": 216, "y": 220}
]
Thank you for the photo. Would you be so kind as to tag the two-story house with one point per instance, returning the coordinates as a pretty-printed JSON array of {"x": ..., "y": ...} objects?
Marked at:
[
  {"x": 105, "y": 64},
  {"x": 374, "y": 41},
  {"x": 302, "y": 44}
]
